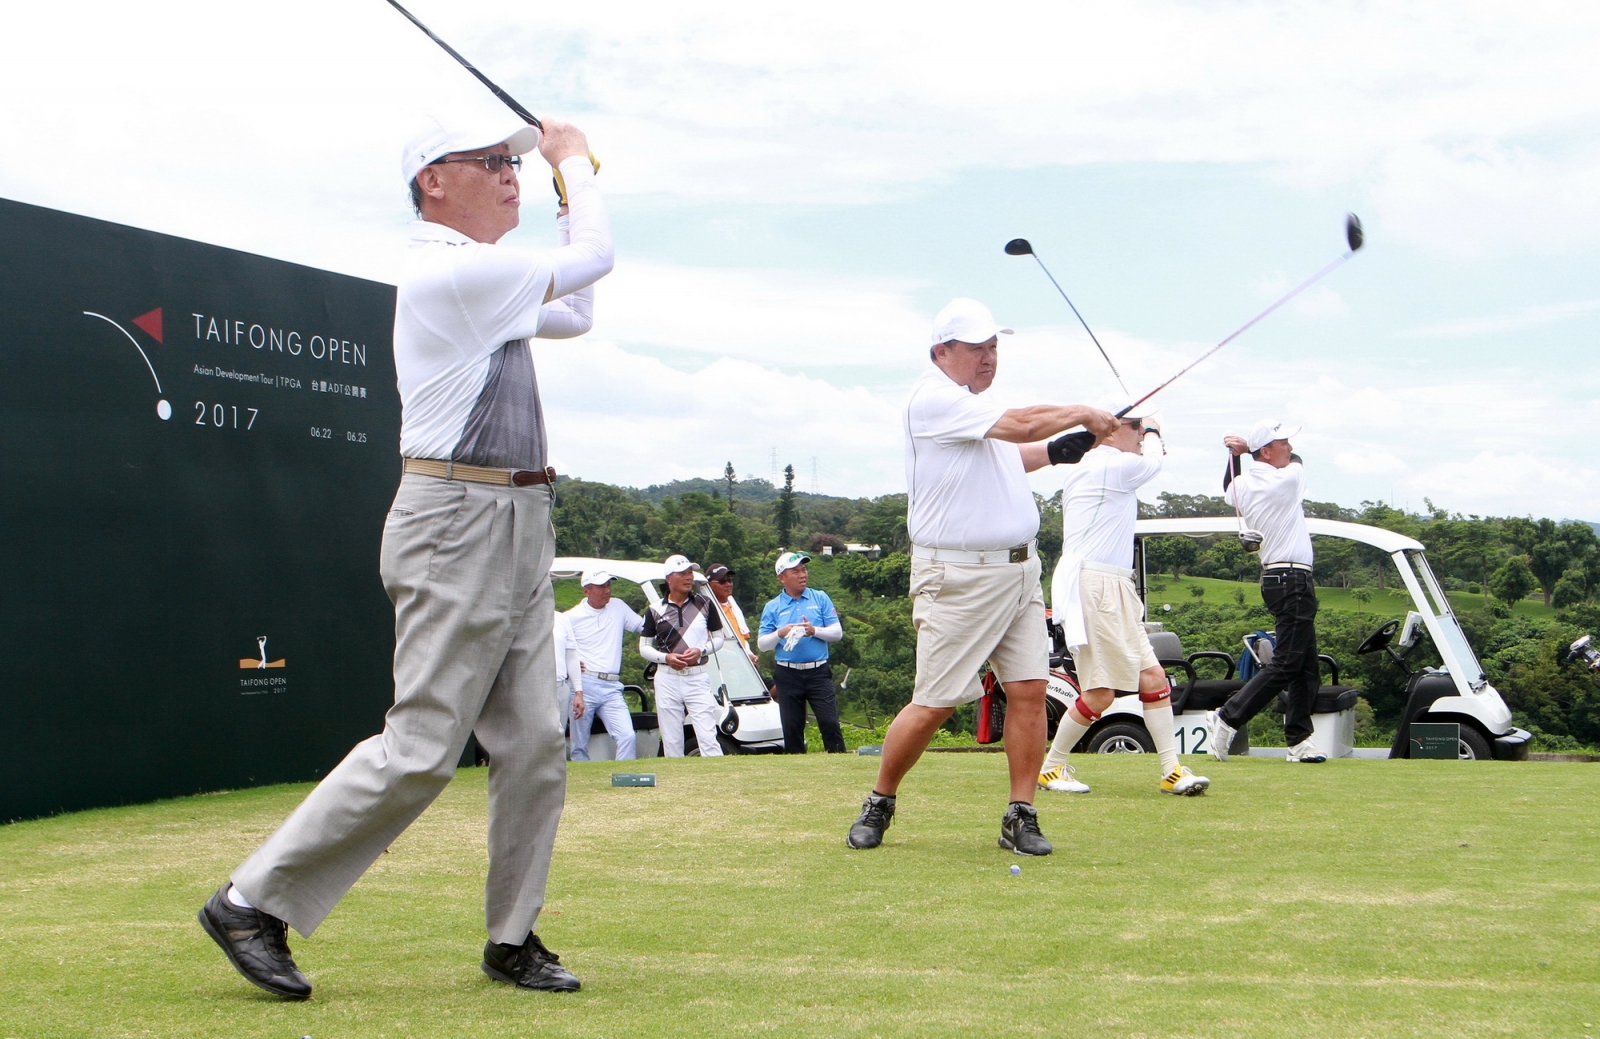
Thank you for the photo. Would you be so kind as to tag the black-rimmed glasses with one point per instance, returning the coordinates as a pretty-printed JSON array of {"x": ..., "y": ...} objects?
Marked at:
[{"x": 491, "y": 162}]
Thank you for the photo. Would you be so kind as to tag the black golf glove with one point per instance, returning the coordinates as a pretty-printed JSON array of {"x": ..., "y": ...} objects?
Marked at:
[{"x": 1070, "y": 449}]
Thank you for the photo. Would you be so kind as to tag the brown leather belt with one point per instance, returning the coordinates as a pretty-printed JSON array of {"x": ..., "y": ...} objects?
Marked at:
[{"x": 478, "y": 473}]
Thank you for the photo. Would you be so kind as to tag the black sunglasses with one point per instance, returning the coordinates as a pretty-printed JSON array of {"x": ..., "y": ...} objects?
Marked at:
[{"x": 491, "y": 162}]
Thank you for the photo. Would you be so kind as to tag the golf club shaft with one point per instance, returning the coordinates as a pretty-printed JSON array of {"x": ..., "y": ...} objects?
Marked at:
[
  {"x": 510, "y": 102},
  {"x": 1286, "y": 297},
  {"x": 1081, "y": 321}
]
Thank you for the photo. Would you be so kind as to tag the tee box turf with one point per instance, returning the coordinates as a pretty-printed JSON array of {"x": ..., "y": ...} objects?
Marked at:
[{"x": 633, "y": 779}]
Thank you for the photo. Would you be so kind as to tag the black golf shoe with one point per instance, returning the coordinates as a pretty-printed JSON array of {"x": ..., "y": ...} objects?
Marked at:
[
  {"x": 528, "y": 966},
  {"x": 257, "y": 945},
  {"x": 1019, "y": 831},
  {"x": 877, "y": 812}
]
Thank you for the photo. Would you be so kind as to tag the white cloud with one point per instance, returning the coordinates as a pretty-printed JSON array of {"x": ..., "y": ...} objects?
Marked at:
[{"x": 1527, "y": 317}]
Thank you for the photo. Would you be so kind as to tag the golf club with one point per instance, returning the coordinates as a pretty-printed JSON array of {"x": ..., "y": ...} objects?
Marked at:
[
  {"x": 1073, "y": 446},
  {"x": 1021, "y": 247},
  {"x": 510, "y": 102}
]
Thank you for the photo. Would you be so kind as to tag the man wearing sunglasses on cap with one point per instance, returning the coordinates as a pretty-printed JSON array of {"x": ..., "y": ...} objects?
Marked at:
[
  {"x": 466, "y": 556},
  {"x": 720, "y": 580}
]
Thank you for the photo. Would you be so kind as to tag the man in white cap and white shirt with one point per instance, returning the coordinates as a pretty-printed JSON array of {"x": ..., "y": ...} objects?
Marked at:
[
  {"x": 974, "y": 564},
  {"x": 466, "y": 557},
  {"x": 1098, "y": 605},
  {"x": 1268, "y": 492},
  {"x": 598, "y": 624},
  {"x": 680, "y": 633}
]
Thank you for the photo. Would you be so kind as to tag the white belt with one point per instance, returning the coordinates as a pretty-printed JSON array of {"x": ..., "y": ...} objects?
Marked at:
[
  {"x": 604, "y": 676},
  {"x": 683, "y": 670},
  {"x": 807, "y": 666},
  {"x": 1107, "y": 568},
  {"x": 1019, "y": 554},
  {"x": 1287, "y": 566}
]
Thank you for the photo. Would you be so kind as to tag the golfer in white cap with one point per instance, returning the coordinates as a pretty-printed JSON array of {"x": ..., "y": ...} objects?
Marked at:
[
  {"x": 680, "y": 634},
  {"x": 796, "y": 626},
  {"x": 598, "y": 623},
  {"x": 974, "y": 564},
  {"x": 466, "y": 557},
  {"x": 1268, "y": 492},
  {"x": 1098, "y": 606}
]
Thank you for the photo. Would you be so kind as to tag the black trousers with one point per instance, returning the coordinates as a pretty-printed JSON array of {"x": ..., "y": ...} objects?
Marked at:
[
  {"x": 1292, "y": 600},
  {"x": 796, "y": 688}
]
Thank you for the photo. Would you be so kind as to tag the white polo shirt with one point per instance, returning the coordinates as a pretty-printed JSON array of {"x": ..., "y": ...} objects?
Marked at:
[
  {"x": 1100, "y": 504},
  {"x": 1271, "y": 501},
  {"x": 463, "y": 312},
  {"x": 964, "y": 491},
  {"x": 598, "y": 633}
]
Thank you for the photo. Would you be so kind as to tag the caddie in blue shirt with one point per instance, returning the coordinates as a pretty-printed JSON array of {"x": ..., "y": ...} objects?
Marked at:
[{"x": 800, "y": 623}]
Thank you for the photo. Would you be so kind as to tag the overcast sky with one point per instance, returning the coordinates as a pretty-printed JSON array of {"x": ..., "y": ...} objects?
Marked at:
[{"x": 796, "y": 189}]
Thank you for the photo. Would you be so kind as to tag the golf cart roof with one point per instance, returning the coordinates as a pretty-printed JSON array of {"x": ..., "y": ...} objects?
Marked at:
[
  {"x": 1377, "y": 537},
  {"x": 637, "y": 571}
]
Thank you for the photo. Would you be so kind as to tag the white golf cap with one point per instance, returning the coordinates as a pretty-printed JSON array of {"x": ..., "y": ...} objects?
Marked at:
[
  {"x": 595, "y": 577},
  {"x": 1267, "y": 431},
  {"x": 677, "y": 564},
  {"x": 965, "y": 320},
  {"x": 790, "y": 560},
  {"x": 463, "y": 132}
]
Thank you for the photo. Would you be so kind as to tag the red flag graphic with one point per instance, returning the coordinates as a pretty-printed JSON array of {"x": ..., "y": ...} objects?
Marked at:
[{"x": 151, "y": 323}]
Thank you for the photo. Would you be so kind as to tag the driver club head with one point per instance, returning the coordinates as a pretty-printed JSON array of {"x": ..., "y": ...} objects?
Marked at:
[
  {"x": 1020, "y": 246},
  {"x": 1352, "y": 232}
]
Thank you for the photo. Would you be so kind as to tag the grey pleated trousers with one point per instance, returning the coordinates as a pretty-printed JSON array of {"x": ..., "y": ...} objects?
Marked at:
[{"x": 467, "y": 566}]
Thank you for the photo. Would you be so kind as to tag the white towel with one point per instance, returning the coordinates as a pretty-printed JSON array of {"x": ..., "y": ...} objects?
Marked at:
[{"x": 1066, "y": 601}]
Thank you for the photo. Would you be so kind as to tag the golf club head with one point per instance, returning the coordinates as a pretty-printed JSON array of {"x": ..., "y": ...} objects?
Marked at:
[
  {"x": 1020, "y": 246},
  {"x": 1352, "y": 232}
]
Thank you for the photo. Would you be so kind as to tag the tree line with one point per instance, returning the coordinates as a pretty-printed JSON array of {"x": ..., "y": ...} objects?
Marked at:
[{"x": 745, "y": 523}]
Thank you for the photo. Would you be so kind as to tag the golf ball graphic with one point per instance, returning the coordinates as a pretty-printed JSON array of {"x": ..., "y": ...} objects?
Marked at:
[
  {"x": 164, "y": 410},
  {"x": 1016, "y": 871}
]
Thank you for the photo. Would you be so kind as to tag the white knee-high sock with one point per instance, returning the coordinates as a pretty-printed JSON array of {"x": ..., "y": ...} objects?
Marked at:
[
  {"x": 1068, "y": 733},
  {"x": 1158, "y": 719}
]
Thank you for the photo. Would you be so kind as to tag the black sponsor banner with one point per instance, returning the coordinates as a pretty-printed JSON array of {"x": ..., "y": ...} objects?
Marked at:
[{"x": 199, "y": 447}]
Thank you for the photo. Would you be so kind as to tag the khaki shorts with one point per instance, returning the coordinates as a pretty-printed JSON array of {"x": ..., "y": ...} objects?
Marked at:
[
  {"x": 966, "y": 613},
  {"x": 1118, "y": 648}
]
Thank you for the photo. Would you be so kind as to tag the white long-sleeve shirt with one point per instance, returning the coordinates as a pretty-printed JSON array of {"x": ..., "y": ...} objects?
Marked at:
[
  {"x": 568, "y": 666},
  {"x": 463, "y": 313},
  {"x": 1272, "y": 502},
  {"x": 1099, "y": 511}
]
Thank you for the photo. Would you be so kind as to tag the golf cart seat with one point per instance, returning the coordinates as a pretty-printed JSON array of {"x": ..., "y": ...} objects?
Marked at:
[
  {"x": 1331, "y": 698},
  {"x": 1195, "y": 694}
]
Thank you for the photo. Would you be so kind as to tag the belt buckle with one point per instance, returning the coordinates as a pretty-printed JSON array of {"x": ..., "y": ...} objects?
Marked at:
[{"x": 1019, "y": 554}]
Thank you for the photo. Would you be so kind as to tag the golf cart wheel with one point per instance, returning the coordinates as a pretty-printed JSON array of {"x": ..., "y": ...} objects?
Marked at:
[
  {"x": 1122, "y": 738},
  {"x": 1473, "y": 746}
]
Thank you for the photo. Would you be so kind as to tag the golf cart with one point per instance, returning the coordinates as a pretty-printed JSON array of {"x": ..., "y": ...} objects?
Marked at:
[
  {"x": 1457, "y": 692},
  {"x": 750, "y": 723}
]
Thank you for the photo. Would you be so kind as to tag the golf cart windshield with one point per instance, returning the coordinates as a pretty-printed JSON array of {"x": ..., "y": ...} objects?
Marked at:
[
  {"x": 731, "y": 668},
  {"x": 1455, "y": 650}
]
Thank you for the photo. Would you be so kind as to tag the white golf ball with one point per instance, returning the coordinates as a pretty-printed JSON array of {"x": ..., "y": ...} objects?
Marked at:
[{"x": 1016, "y": 871}]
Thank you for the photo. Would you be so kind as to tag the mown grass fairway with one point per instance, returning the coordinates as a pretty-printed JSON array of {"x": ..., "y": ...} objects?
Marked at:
[{"x": 1357, "y": 898}]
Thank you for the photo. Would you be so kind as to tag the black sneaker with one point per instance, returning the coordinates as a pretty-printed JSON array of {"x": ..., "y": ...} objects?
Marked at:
[
  {"x": 257, "y": 945},
  {"x": 528, "y": 966},
  {"x": 1019, "y": 831},
  {"x": 877, "y": 812}
]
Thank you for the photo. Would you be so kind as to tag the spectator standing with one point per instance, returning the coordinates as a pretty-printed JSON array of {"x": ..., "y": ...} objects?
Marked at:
[
  {"x": 799, "y": 623},
  {"x": 569, "y": 671},
  {"x": 720, "y": 580},
  {"x": 598, "y": 624},
  {"x": 680, "y": 633}
]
